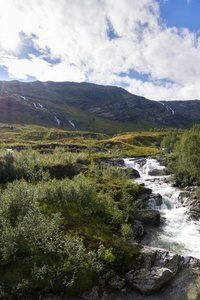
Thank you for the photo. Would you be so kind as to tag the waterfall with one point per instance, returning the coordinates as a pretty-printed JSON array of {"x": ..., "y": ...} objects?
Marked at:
[{"x": 178, "y": 232}]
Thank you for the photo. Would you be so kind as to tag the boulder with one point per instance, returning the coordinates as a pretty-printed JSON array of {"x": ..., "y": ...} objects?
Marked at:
[
  {"x": 156, "y": 172},
  {"x": 189, "y": 200},
  {"x": 91, "y": 295},
  {"x": 138, "y": 230},
  {"x": 158, "y": 268},
  {"x": 117, "y": 162},
  {"x": 183, "y": 198},
  {"x": 148, "y": 217},
  {"x": 117, "y": 283},
  {"x": 144, "y": 195},
  {"x": 130, "y": 171},
  {"x": 155, "y": 199}
]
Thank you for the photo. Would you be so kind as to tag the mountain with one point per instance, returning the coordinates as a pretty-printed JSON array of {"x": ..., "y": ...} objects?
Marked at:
[{"x": 90, "y": 107}]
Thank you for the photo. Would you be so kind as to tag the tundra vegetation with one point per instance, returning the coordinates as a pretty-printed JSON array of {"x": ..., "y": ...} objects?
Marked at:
[
  {"x": 63, "y": 233},
  {"x": 184, "y": 159}
]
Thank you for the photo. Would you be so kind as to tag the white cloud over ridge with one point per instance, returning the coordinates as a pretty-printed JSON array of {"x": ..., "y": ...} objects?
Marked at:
[{"x": 98, "y": 40}]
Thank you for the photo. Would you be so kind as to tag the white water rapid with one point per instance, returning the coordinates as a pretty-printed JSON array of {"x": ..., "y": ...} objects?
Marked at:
[{"x": 177, "y": 233}]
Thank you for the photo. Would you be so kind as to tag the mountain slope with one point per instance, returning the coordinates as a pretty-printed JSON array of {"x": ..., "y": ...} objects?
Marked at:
[{"x": 90, "y": 107}]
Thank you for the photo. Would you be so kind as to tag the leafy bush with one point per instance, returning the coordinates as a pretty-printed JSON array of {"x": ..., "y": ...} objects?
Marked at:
[{"x": 186, "y": 167}]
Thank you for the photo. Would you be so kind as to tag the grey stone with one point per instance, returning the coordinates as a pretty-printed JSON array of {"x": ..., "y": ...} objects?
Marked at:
[
  {"x": 91, "y": 295},
  {"x": 138, "y": 230},
  {"x": 158, "y": 268},
  {"x": 117, "y": 282}
]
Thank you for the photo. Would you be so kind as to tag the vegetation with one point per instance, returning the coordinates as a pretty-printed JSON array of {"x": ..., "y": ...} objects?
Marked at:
[
  {"x": 63, "y": 233},
  {"x": 184, "y": 162}
]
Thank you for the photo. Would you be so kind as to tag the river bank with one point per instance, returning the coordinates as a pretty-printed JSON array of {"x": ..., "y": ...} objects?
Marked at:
[{"x": 170, "y": 268}]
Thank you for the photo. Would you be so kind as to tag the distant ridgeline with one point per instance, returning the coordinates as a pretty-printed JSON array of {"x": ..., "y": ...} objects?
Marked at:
[{"x": 90, "y": 107}]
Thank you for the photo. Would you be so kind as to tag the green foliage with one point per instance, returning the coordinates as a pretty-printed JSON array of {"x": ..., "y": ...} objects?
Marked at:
[
  {"x": 60, "y": 235},
  {"x": 127, "y": 232},
  {"x": 186, "y": 167},
  {"x": 40, "y": 254},
  {"x": 169, "y": 141},
  {"x": 106, "y": 254}
]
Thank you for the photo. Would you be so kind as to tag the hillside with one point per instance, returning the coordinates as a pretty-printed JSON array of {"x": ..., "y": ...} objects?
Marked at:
[{"x": 90, "y": 107}]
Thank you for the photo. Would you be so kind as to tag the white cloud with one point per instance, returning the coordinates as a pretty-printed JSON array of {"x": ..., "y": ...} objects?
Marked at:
[{"x": 76, "y": 32}]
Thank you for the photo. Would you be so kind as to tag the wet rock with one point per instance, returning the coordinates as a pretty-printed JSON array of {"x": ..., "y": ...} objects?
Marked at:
[
  {"x": 189, "y": 200},
  {"x": 155, "y": 199},
  {"x": 190, "y": 188},
  {"x": 141, "y": 161},
  {"x": 149, "y": 217},
  {"x": 144, "y": 195},
  {"x": 158, "y": 268},
  {"x": 156, "y": 172}
]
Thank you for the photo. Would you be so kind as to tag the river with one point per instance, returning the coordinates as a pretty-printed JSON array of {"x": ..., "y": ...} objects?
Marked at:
[{"x": 177, "y": 232}]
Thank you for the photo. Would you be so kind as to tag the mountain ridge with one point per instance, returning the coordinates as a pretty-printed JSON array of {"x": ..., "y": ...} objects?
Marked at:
[{"x": 90, "y": 107}]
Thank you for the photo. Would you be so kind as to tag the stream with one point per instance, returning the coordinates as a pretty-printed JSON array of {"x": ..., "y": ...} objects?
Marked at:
[{"x": 177, "y": 232}]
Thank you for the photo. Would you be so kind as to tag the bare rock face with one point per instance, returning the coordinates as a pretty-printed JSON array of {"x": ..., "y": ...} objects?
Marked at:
[
  {"x": 188, "y": 199},
  {"x": 158, "y": 268}
]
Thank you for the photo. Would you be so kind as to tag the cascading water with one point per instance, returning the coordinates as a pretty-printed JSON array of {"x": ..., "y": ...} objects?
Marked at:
[{"x": 178, "y": 233}]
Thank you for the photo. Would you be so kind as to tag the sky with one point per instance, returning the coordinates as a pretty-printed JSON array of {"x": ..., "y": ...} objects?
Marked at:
[{"x": 149, "y": 47}]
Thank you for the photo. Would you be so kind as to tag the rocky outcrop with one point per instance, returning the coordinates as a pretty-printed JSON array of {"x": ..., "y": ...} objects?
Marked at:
[
  {"x": 119, "y": 162},
  {"x": 155, "y": 199},
  {"x": 189, "y": 200},
  {"x": 160, "y": 274},
  {"x": 158, "y": 268}
]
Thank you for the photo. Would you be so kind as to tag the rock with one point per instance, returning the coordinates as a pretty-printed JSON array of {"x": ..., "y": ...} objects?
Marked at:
[
  {"x": 149, "y": 217},
  {"x": 91, "y": 295},
  {"x": 117, "y": 282},
  {"x": 155, "y": 199},
  {"x": 117, "y": 162},
  {"x": 130, "y": 171},
  {"x": 189, "y": 200},
  {"x": 158, "y": 268},
  {"x": 182, "y": 198},
  {"x": 156, "y": 172},
  {"x": 144, "y": 195},
  {"x": 108, "y": 296},
  {"x": 141, "y": 161},
  {"x": 190, "y": 188},
  {"x": 138, "y": 230},
  {"x": 147, "y": 282}
]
